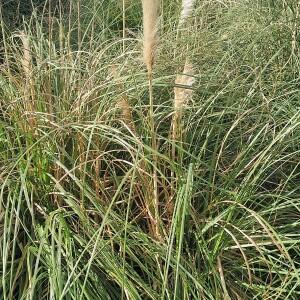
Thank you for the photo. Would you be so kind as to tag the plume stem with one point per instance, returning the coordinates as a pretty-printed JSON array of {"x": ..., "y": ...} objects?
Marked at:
[
  {"x": 182, "y": 93},
  {"x": 155, "y": 205},
  {"x": 150, "y": 28}
]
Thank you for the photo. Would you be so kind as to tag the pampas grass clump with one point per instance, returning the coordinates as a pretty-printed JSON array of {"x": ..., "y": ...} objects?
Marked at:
[{"x": 175, "y": 181}]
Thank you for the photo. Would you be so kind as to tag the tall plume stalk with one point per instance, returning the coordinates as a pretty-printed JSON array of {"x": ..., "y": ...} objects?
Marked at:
[
  {"x": 183, "y": 83},
  {"x": 150, "y": 42},
  {"x": 29, "y": 85},
  {"x": 182, "y": 94}
]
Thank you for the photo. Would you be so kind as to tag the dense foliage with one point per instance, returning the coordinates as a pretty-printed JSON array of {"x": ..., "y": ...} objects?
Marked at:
[{"x": 77, "y": 156}]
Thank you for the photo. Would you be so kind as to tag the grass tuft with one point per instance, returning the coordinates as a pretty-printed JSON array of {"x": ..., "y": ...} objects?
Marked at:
[{"x": 99, "y": 199}]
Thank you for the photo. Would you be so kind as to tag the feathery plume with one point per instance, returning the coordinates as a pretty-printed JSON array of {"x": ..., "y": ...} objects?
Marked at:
[
  {"x": 150, "y": 24},
  {"x": 26, "y": 62},
  {"x": 183, "y": 91},
  {"x": 126, "y": 112},
  {"x": 26, "y": 59},
  {"x": 187, "y": 9},
  {"x": 125, "y": 109},
  {"x": 122, "y": 104}
]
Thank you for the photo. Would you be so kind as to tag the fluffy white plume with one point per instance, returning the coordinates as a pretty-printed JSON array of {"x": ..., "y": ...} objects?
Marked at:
[
  {"x": 184, "y": 92},
  {"x": 150, "y": 22},
  {"x": 187, "y": 9}
]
